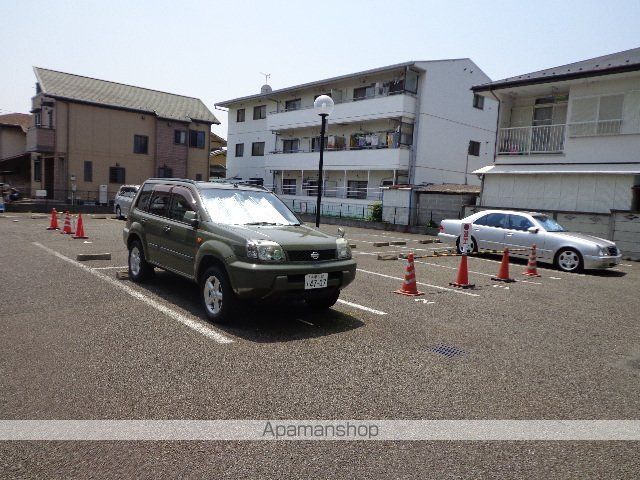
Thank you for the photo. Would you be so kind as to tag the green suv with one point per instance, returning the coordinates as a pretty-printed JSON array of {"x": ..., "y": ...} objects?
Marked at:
[{"x": 236, "y": 242}]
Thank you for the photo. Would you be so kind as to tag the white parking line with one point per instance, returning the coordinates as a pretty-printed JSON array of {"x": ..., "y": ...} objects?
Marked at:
[
  {"x": 108, "y": 268},
  {"x": 192, "y": 324},
  {"x": 471, "y": 271},
  {"x": 462, "y": 292},
  {"x": 625, "y": 265},
  {"x": 361, "y": 307}
]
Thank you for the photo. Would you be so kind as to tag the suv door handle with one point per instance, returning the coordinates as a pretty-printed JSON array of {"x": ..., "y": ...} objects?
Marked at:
[{"x": 167, "y": 229}]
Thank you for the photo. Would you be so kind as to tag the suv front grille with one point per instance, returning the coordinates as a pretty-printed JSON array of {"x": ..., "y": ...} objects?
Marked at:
[{"x": 306, "y": 255}]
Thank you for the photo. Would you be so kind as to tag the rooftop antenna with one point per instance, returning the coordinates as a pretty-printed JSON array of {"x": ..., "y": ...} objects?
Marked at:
[
  {"x": 265, "y": 88},
  {"x": 266, "y": 77}
]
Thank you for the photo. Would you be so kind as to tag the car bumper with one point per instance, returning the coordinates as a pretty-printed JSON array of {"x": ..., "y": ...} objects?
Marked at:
[
  {"x": 596, "y": 262},
  {"x": 262, "y": 281}
]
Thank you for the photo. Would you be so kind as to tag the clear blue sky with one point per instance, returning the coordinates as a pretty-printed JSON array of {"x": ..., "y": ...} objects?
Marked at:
[{"x": 214, "y": 50}]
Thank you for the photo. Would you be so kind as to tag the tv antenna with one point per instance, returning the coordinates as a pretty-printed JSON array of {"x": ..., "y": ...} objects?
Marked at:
[{"x": 266, "y": 77}]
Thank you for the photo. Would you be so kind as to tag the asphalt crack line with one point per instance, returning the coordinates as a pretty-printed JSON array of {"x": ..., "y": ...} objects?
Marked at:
[{"x": 169, "y": 312}]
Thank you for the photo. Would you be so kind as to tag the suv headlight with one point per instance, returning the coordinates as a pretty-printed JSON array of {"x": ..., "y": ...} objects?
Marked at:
[
  {"x": 265, "y": 250},
  {"x": 344, "y": 250}
]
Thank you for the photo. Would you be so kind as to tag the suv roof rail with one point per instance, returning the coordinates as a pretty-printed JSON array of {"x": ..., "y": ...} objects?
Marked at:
[
  {"x": 174, "y": 179},
  {"x": 229, "y": 181}
]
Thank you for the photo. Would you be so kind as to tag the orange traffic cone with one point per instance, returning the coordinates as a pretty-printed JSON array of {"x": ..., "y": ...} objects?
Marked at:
[
  {"x": 503, "y": 272},
  {"x": 409, "y": 286},
  {"x": 54, "y": 220},
  {"x": 462, "y": 281},
  {"x": 80, "y": 228},
  {"x": 66, "y": 229},
  {"x": 532, "y": 266}
]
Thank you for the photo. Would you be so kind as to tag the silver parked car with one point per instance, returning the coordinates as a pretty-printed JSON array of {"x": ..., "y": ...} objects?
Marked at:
[
  {"x": 497, "y": 229},
  {"x": 123, "y": 199}
]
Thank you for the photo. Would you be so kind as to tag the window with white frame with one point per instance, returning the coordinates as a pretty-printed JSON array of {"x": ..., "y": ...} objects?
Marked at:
[
  {"x": 357, "y": 189},
  {"x": 290, "y": 146},
  {"x": 596, "y": 115},
  {"x": 289, "y": 186},
  {"x": 478, "y": 101}
]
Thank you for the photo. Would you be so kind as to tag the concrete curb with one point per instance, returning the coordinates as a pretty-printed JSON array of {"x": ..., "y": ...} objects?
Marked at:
[
  {"x": 387, "y": 256},
  {"x": 398, "y": 242},
  {"x": 380, "y": 244}
]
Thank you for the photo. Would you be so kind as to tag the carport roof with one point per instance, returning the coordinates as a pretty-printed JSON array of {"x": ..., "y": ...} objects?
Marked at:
[{"x": 590, "y": 168}]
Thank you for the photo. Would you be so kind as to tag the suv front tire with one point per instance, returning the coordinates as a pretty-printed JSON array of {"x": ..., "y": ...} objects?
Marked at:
[{"x": 217, "y": 296}]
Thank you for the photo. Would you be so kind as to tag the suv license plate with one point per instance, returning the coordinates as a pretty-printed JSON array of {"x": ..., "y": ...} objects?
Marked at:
[{"x": 315, "y": 280}]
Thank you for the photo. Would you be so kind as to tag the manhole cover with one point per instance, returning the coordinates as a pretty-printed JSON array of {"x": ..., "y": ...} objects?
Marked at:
[{"x": 447, "y": 350}]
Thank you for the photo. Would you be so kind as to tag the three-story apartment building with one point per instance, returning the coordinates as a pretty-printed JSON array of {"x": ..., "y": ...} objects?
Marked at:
[
  {"x": 410, "y": 123},
  {"x": 88, "y": 132}
]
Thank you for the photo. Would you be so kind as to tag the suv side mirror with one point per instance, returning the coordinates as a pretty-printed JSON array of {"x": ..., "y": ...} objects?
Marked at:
[
  {"x": 191, "y": 218},
  {"x": 533, "y": 229}
]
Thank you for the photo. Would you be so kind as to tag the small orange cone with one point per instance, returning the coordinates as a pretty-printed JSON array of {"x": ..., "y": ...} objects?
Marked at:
[
  {"x": 409, "y": 286},
  {"x": 462, "y": 281},
  {"x": 54, "y": 220},
  {"x": 503, "y": 272},
  {"x": 532, "y": 266},
  {"x": 66, "y": 229},
  {"x": 80, "y": 228}
]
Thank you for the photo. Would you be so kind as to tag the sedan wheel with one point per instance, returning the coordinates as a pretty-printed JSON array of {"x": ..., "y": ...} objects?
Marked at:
[{"x": 569, "y": 260}]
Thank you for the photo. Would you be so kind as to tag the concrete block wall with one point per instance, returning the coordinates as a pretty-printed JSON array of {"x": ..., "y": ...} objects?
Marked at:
[
  {"x": 438, "y": 206},
  {"x": 626, "y": 233}
]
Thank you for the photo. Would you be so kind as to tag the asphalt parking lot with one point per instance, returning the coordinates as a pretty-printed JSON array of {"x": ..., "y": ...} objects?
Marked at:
[{"x": 78, "y": 343}]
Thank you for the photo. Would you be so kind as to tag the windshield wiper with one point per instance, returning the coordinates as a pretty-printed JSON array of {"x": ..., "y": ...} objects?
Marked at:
[{"x": 262, "y": 223}]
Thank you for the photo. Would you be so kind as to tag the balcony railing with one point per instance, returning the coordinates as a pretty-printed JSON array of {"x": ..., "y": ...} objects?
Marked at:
[
  {"x": 354, "y": 193},
  {"x": 599, "y": 127},
  {"x": 531, "y": 140},
  {"x": 342, "y": 149}
]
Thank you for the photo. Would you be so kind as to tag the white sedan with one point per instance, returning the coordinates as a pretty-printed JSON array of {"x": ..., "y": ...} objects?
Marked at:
[{"x": 497, "y": 229}]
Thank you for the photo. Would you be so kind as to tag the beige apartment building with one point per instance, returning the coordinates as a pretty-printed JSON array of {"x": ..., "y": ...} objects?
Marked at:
[
  {"x": 14, "y": 162},
  {"x": 88, "y": 133}
]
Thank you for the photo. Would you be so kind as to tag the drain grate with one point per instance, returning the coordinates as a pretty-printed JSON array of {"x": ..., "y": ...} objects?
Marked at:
[{"x": 447, "y": 350}]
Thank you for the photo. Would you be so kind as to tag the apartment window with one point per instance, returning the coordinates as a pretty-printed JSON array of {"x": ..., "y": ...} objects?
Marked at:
[
  {"x": 260, "y": 112},
  {"x": 50, "y": 118},
  {"x": 357, "y": 189},
  {"x": 140, "y": 144},
  {"x": 315, "y": 143},
  {"x": 257, "y": 149},
  {"x": 406, "y": 134},
  {"x": 311, "y": 187},
  {"x": 240, "y": 115},
  {"x": 596, "y": 115},
  {"x": 196, "y": 139},
  {"x": 292, "y": 104},
  {"x": 37, "y": 170},
  {"x": 289, "y": 186},
  {"x": 37, "y": 119},
  {"x": 88, "y": 171},
  {"x": 362, "y": 93},
  {"x": 180, "y": 137},
  {"x": 478, "y": 101},
  {"x": 165, "y": 172},
  {"x": 117, "y": 175},
  {"x": 290, "y": 146},
  {"x": 239, "y": 149},
  {"x": 474, "y": 148}
]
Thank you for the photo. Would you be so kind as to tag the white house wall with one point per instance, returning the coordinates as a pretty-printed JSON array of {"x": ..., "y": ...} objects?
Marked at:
[
  {"x": 574, "y": 192},
  {"x": 448, "y": 121}
]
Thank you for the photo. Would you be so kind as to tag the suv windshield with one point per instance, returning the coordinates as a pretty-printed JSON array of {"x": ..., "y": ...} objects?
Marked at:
[
  {"x": 246, "y": 207},
  {"x": 549, "y": 224}
]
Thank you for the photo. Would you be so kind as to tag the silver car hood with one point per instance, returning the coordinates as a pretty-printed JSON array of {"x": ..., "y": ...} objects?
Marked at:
[{"x": 601, "y": 242}]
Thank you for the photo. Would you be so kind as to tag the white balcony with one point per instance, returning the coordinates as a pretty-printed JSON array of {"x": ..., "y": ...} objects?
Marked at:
[
  {"x": 374, "y": 108},
  {"x": 543, "y": 139},
  {"x": 366, "y": 159}
]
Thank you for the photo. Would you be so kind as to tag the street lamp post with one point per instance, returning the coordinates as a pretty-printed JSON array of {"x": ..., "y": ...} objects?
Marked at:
[{"x": 323, "y": 105}]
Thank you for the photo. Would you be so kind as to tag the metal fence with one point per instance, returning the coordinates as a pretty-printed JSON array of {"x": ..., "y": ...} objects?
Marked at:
[{"x": 70, "y": 198}]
